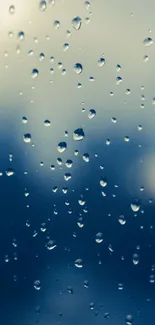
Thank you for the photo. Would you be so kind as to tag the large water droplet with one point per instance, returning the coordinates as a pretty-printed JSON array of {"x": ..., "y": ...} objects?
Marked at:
[
  {"x": 91, "y": 114},
  {"x": 21, "y": 35},
  {"x": 76, "y": 22},
  {"x": 56, "y": 24},
  {"x": 78, "y": 134},
  {"x": 42, "y": 5},
  {"x": 148, "y": 41},
  {"x": 101, "y": 62},
  {"x": 78, "y": 68}
]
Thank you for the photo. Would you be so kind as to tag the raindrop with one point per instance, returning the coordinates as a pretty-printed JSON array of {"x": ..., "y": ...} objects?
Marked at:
[
  {"x": 85, "y": 157},
  {"x": 91, "y": 305},
  {"x": 101, "y": 62},
  {"x": 118, "y": 80},
  {"x": 145, "y": 58},
  {"x": 78, "y": 68},
  {"x": 118, "y": 67},
  {"x": 103, "y": 181},
  {"x": 69, "y": 163},
  {"x": 78, "y": 134},
  {"x": 87, "y": 4},
  {"x": 76, "y": 22},
  {"x": 47, "y": 123},
  {"x": 148, "y": 41},
  {"x": 152, "y": 278},
  {"x": 80, "y": 222},
  {"x": 67, "y": 176},
  {"x": 24, "y": 120},
  {"x": 86, "y": 284},
  {"x": 56, "y": 24},
  {"x": 9, "y": 172},
  {"x": 37, "y": 285},
  {"x": 135, "y": 259},
  {"x": 12, "y": 9},
  {"x": 27, "y": 137},
  {"x": 122, "y": 220},
  {"x": 135, "y": 205},
  {"x": 78, "y": 263},
  {"x": 120, "y": 286},
  {"x": 62, "y": 147},
  {"x": 99, "y": 237},
  {"x": 70, "y": 289},
  {"x": 41, "y": 56},
  {"x": 66, "y": 46},
  {"x": 91, "y": 114},
  {"x": 35, "y": 73},
  {"x": 42, "y": 5},
  {"x": 51, "y": 245},
  {"x": 21, "y": 35},
  {"x": 129, "y": 319}
]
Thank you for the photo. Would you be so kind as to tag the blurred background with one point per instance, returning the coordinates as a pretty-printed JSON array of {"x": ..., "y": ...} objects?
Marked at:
[{"x": 77, "y": 168}]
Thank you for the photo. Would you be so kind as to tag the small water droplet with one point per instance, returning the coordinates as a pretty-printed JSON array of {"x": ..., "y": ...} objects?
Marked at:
[
  {"x": 35, "y": 73},
  {"x": 122, "y": 220},
  {"x": 66, "y": 46},
  {"x": 101, "y": 62},
  {"x": 51, "y": 245},
  {"x": 47, "y": 123},
  {"x": 27, "y": 137},
  {"x": 56, "y": 24},
  {"x": 145, "y": 58},
  {"x": 103, "y": 181},
  {"x": 135, "y": 205},
  {"x": 135, "y": 259},
  {"x": 37, "y": 285},
  {"x": 99, "y": 237},
  {"x": 78, "y": 263},
  {"x": 12, "y": 9},
  {"x": 129, "y": 319},
  {"x": 85, "y": 157},
  {"x": 9, "y": 172},
  {"x": 21, "y": 35}
]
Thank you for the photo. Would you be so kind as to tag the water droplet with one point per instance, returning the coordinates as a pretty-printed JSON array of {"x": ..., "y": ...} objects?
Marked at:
[
  {"x": 12, "y": 9},
  {"x": 135, "y": 259},
  {"x": 135, "y": 205},
  {"x": 129, "y": 319},
  {"x": 47, "y": 123},
  {"x": 69, "y": 163},
  {"x": 37, "y": 285},
  {"x": 118, "y": 67},
  {"x": 148, "y": 41},
  {"x": 152, "y": 278},
  {"x": 78, "y": 134},
  {"x": 41, "y": 56},
  {"x": 9, "y": 172},
  {"x": 92, "y": 113},
  {"x": 122, "y": 220},
  {"x": 80, "y": 222},
  {"x": 27, "y": 137},
  {"x": 51, "y": 245},
  {"x": 21, "y": 35},
  {"x": 85, "y": 157},
  {"x": 24, "y": 120},
  {"x": 99, "y": 237},
  {"x": 35, "y": 73},
  {"x": 70, "y": 289},
  {"x": 91, "y": 305},
  {"x": 101, "y": 62},
  {"x": 114, "y": 120},
  {"x": 76, "y": 22},
  {"x": 66, "y": 46},
  {"x": 67, "y": 176},
  {"x": 118, "y": 80},
  {"x": 56, "y": 24},
  {"x": 78, "y": 263},
  {"x": 145, "y": 58},
  {"x": 42, "y": 5},
  {"x": 62, "y": 147},
  {"x": 86, "y": 284},
  {"x": 78, "y": 68},
  {"x": 120, "y": 286},
  {"x": 87, "y": 4},
  {"x": 126, "y": 139},
  {"x": 103, "y": 181}
]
